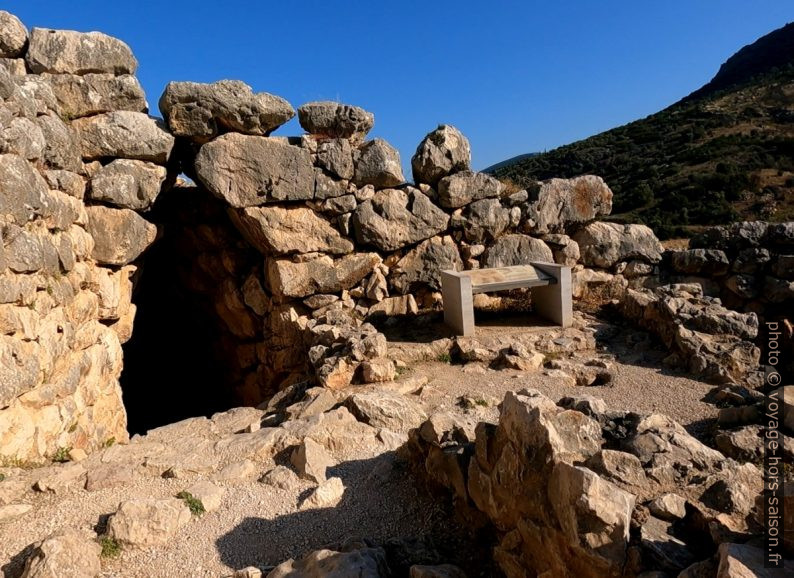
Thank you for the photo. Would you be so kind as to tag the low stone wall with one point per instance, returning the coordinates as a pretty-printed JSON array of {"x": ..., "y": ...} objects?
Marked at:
[{"x": 575, "y": 489}]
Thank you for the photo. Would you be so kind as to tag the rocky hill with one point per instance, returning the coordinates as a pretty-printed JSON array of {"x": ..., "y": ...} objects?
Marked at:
[{"x": 722, "y": 154}]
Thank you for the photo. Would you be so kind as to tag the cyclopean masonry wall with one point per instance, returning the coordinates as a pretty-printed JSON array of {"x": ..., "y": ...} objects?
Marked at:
[
  {"x": 296, "y": 247},
  {"x": 79, "y": 160}
]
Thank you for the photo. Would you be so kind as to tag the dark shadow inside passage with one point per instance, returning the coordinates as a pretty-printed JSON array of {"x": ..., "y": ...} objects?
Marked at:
[{"x": 173, "y": 368}]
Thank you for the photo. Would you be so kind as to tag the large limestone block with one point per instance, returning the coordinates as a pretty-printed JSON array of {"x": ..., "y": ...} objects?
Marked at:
[
  {"x": 13, "y": 35},
  {"x": 120, "y": 235},
  {"x": 68, "y": 552},
  {"x": 23, "y": 191},
  {"x": 384, "y": 409},
  {"x": 423, "y": 264},
  {"x": 516, "y": 249},
  {"x": 248, "y": 170},
  {"x": 466, "y": 186},
  {"x": 605, "y": 244},
  {"x": 377, "y": 163},
  {"x": 442, "y": 152},
  {"x": 124, "y": 134},
  {"x": 333, "y": 119},
  {"x": 321, "y": 275},
  {"x": 592, "y": 512},
  {"x": 128, "y": 183},
  {"x": 282, "y": 230},
  {"x": 63, "y": 148},
  {"x": 203, "y": 111},
  {"x": 88, "y": 94},
  {"x": 485, "y": 220},
  {"x": 21, "y": 136},
  {"x": 561, "y": 202},
  {"x": 395, "y": 218},
  {"x": 70, "y": 52},
  {"x": 20, "y": 365},
  {"x": 148, "y": 522}
]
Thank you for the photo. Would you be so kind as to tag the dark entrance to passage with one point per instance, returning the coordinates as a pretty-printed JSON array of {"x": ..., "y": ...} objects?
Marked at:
[{"x": 173, "y": 368}]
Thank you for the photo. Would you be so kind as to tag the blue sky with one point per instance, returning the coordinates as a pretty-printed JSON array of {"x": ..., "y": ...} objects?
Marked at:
[{"x": 515, "y": 77}]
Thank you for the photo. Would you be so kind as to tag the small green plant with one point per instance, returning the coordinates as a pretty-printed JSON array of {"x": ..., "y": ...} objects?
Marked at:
[
  {"x": 195, "y": 505},
  {"x": 110, "y": 547},
  {"x": 444, "y": 358},
  {"x": 2, "y": 477},
  {"x": 62, "y": 454},
  {"x": 109, "y": 442},
  {"x": 73, "y": 427},
  {"x": 481, "y": 402}
]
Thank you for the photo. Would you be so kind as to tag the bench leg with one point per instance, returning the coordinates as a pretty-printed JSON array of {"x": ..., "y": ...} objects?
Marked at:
[
  {"x": 458, "y": 303},
  {"x": 554, "y": 302}
]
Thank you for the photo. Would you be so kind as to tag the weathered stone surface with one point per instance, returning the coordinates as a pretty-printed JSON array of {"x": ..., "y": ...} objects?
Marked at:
[
  {"x": 327, "y": 495},
  {"x": 393, "y": 219},
  {"x": 60, "y": 478},
  {"x": 203, "y": 111},
  {"x": 565, "y": 249},
  {"x": 516, "y": 249},
  {"x": 70, "y": 52},
  {"x": 336, "y": 156},
  {"x": 13, "y": 35},
  {"x": 120, "y": 235},
  {"x": 605, "y": 244},
  {"x": 392, "y": 306},
  {"x": 520, "y": 474},
  {"x": 485, "y": 220},
  {"x": 461, "y": 188},
  {"x": 377, "y": 163},
  {"x": 285, "y": 230},
  {"x": 388, "y": 410},
  {"x": 320, "y": 275},
  {"x": 21, "y": 136},
  {"x": 112, "y": 475},
  {"x": 423, "y": 264},
  {"x": 23, "y": 191},
  {"x": 67, "y": 552},
  {"x": 333, "y": 119},
  {"x": 63, "y": 148},
  {"x": 561, "y": 202},
  {"x": 13, "y": 511},
  {"x": 311, "y": 460},
  {"x": 619, "y": 467},
  {"x": 378, "y": 370},
  {"x": 442, "y": 152},
  {"x": 248, "y": 170},
  {"x": 210, "y": 495},
  {"x": 364, "y": 563},
  {"x": 124, "y": 134},
  {"x": 127, "y": 183},
  {"x": 592, "y": 512},
  {"x": 84, "y": 95},
  {"x": 708, "y": 262},
  {"x": 280, "y": 477},
  {"x": 668, "y": 507},
  {"x": 148, "y": 521},
  {"x": 743, "y": 561}
]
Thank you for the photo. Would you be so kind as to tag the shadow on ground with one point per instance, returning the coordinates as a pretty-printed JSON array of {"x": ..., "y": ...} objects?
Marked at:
[{"x": 383, "y": 504}]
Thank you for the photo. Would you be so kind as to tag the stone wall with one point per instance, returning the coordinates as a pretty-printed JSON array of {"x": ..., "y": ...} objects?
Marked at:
[
  {"x": 292, "y": 248},
  {"x": 72, "y": 184}
]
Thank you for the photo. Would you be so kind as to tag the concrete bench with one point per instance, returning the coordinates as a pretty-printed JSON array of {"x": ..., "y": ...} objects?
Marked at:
[{"x": 550, "y": 284}]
